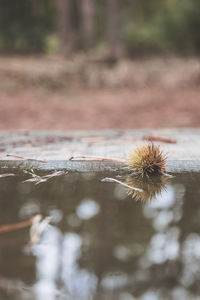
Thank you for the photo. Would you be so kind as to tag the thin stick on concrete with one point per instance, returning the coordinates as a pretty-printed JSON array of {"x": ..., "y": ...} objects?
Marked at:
[
  {"x": 25, "y": 158},
  {"x": 95, "y": 158}
]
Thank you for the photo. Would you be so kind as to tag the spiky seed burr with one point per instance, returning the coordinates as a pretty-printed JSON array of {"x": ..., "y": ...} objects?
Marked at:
[{"x": 147, "y": 160}]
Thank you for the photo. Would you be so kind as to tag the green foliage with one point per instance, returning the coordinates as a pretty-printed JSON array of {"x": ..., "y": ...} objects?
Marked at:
[
  {"x": 163, "y": 26},
  {"x": 24, "y": 24},
  {"x": 156, "y": 26}
]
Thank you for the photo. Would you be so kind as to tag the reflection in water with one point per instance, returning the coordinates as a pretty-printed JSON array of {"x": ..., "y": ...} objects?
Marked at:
[
  {"x": 164, "y": 243},
  {"x": 99, "y": 248},
  {"x": 190, "y": 257},
  {"x": 115, "y": 281},
  {"x": 87, "y": 209},
  {"x": 57, "y": 257},
  {"x": 164, "y": 246},
  {"x": 47, "y": 263},
  {"x": 150, "y": 186},
  {"x": 80, "y": 284},
  {"x": 141, "y": 188},
  {"x": 37, "y": 228}
]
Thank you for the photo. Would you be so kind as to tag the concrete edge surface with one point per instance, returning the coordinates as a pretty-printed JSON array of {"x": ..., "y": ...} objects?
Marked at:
[
  {"x": 26, "y": 150},
  {"x": 173, "y": 166}
]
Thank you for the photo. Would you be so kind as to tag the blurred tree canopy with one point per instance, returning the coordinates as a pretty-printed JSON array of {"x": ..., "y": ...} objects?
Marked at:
[
  {"x": 25, "y": 24},
  {"x": 134, "y": 27}
]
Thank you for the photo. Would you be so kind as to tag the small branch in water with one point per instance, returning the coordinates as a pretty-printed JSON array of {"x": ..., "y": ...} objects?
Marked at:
[
  {"x": 96, "y": 158},
  {"x": 6, "y": 175},
  {"x": 36, "y": 179},
  {"x": 25, "y": 158},
  {"x": 108, "y": 179},
  {"x": 16, "y": 226},
  {"x": 37, "y": 228}
]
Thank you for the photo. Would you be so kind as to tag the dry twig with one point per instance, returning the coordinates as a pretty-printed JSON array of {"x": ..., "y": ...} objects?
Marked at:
[
  {"x": 25, "y": 158},
  {"x": 154, "y": 138},
  {"x": 36, "y": 179},
  {"x": 108, "y": 179},
  {"x": 6, "y": 175},
  {"x": 96, "y": 158},
  {"x": 16, "y": 226}
]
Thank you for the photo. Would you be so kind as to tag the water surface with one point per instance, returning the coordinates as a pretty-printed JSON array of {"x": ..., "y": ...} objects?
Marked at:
[{"x": 101, "y": 243}]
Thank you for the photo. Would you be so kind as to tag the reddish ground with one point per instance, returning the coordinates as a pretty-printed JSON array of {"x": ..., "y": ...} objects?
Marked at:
[{"x": 169, "y": 97}]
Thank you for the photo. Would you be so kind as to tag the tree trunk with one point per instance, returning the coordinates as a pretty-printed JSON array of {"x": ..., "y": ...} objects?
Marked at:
[
  {"x": 114, "y": 28},
  {"x": 88, "y": 12},
  {"x": 65, "y": 30}
]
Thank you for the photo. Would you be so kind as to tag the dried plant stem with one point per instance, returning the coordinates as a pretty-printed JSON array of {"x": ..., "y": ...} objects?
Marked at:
[
  {"x": 95, "y": 158},
  {"x": 6, "y": 175},
  {"x": 36, "y": 179},
  {"x": 122, "y": 183},
  {"x": 155, "y": 138},
  {"x": 25, "y": 158},
  {"x": 12, "y": 227}
]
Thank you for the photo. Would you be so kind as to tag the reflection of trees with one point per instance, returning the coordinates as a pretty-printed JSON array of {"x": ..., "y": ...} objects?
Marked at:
[
  {"x": 190, "y": 234},
  {"x": 175, "y": 258},
  {"x": 150, "y": 248},
  {"x": 12, "y": 261}
]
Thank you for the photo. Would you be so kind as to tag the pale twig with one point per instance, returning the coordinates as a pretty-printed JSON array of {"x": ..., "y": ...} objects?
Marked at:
[
  {"x": 54, "y": 174},
  {"x": 37, "y": 228},
  {"x": 97, "y": 158},
  {"x": 122, "y": 183},
  {"x": 6, "y": 175},
  {"x": 154, "y": 138},
  {"x": 16, "y": 226},
  {"x": 36, "y": 179},
  {"x": 25, "y": 158}
]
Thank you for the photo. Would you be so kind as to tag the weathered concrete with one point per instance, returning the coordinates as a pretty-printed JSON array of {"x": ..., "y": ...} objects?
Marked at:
[{"x": 58, "y": 147}]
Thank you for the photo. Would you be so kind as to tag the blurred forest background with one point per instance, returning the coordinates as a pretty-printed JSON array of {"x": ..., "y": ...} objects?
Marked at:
[
  {"x": 99, "y": 64},
  {"x": 137, "y": 27}
]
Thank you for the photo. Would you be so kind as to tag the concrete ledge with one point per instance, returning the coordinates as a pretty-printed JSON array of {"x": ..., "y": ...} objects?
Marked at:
[
  {"x": 173, "y": 166},
  {"x": 58, "y": 147}
]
